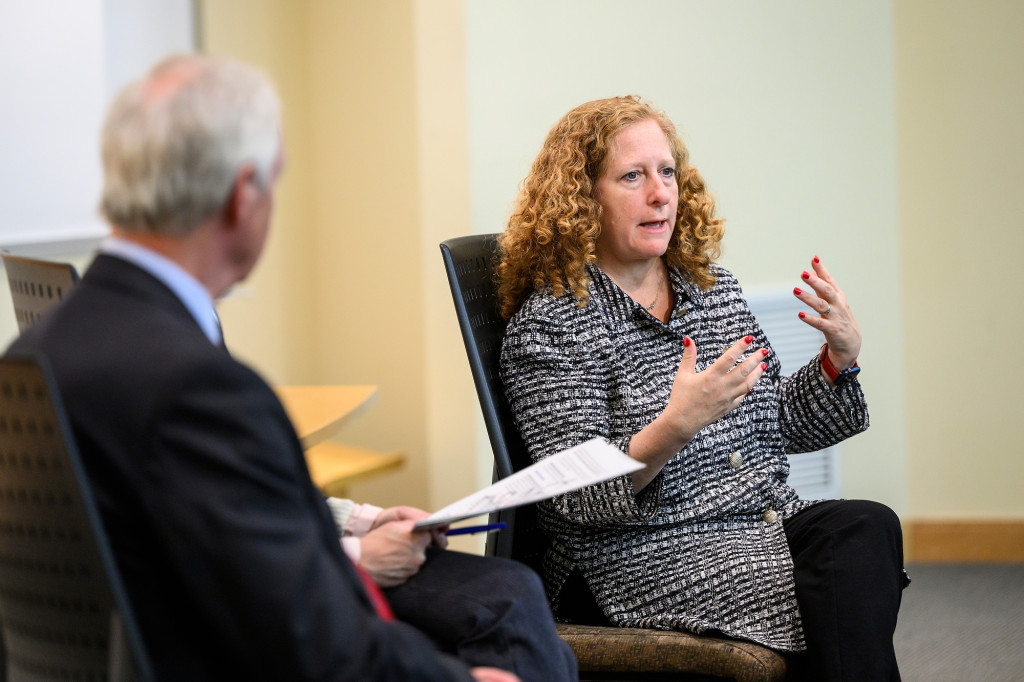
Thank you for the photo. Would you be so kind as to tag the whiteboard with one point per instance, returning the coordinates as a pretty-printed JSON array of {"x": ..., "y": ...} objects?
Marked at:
[{"x": 60, "y": 63}]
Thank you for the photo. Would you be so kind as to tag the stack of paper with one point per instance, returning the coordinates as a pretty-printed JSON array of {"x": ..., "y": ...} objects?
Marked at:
[{"x": 587, "y": 463}]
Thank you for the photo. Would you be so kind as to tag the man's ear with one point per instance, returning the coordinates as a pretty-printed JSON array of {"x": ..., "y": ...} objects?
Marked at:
[{"x": 243, "y": 192}]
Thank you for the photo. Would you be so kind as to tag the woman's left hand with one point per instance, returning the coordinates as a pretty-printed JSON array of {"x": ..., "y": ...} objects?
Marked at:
[{"x": 834, "y": 317}]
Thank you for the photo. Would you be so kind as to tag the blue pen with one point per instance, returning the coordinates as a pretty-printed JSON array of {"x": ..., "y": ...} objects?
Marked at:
[{"x": 467, "y": 530}]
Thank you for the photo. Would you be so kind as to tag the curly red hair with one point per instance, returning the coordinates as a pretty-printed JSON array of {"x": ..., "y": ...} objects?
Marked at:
[{"x": 553, "y": 231}]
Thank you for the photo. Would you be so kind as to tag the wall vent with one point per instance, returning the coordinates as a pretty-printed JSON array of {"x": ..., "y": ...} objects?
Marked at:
[{"x": 815, "y": 475}]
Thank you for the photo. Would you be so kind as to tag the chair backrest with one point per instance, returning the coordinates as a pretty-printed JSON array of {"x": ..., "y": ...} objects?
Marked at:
[
  {"x": 36, "y": 286},
  {"x": 469, "y": 263},
  {"x": 64, "y": 611}
]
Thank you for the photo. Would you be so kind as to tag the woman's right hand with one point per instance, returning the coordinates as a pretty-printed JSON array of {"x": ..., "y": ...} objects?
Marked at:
[{"x": 697, "y": 399}]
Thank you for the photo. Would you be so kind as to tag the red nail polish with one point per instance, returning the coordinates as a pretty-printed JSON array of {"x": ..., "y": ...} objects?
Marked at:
[
  {"x": 687, "y": 342},
  {"x": 816, "y": 260},
  {"x": 805, "y": 275},
  {"x": 797, "y": 290},
  {"x": 764, "y": 366},
  {"x": 764, "y": 352},
  {"x": 802, "y": 314},
  {"x": 748, "y": 339}
]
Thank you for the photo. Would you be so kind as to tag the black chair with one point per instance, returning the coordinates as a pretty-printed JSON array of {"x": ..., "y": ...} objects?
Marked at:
[
  {"x": 64, "y": 611},
  {"x": 36, "y": 285},
  {"x": 603, "y": 652}
]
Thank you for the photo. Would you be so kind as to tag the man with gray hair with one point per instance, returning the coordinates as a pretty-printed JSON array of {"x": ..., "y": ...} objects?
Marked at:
[{"x": 229, "y": 553}]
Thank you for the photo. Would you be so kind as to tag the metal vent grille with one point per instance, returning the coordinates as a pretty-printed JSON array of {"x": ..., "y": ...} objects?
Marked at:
[{"x": 815, "y": 475}]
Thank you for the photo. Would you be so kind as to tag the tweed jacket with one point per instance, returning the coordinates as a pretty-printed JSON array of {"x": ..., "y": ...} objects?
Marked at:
[{"x": 701, "y": 547}]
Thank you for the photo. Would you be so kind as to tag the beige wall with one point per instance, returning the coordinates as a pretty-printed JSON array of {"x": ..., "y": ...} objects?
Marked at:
[
  {"x": 268, "y": 320},
  {"x": 960, "y": 72},
  {"x": 454, "y": 426},
  {"x": 364, "y": 193},
  {"x": 377, "y": 176}
]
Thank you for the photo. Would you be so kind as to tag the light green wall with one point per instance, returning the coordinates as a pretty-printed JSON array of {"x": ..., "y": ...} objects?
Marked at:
[{"x": 788, "y": 110}]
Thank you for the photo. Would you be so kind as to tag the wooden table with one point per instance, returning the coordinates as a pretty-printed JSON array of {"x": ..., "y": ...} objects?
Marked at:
[
  {"x": 334, "y": 466},
  {"x": 318, "y": 413}
]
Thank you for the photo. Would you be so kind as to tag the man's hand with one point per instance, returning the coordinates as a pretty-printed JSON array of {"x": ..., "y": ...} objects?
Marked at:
[
  {"x": 437, "y": 536},
  {"x": 398, "y": 514},
  {"x": 393, "y": 552},
  {"x": 492, "y": 675}
]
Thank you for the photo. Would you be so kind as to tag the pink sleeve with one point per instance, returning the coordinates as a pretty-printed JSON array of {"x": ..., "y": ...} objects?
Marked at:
[
  {"x": 352, "y": 548},
  {"x": 361, "y": 519}
]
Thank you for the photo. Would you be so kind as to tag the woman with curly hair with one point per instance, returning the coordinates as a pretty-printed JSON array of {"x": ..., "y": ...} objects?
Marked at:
[{"x": 624, "y": 327}]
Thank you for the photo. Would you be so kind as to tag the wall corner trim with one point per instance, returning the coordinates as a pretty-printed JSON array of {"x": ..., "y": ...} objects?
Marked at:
[{"x": 965, "y": 540}]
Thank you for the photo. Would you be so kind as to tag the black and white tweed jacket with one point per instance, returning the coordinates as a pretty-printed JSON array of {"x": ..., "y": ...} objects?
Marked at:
[{"x": 702, "y": 547}]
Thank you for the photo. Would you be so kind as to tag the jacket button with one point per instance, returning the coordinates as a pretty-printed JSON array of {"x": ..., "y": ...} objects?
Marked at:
[
  {"x": 736, "y": 460},
  {"x": 679, "y": 313},
  {"x": 770, "y": 516}
]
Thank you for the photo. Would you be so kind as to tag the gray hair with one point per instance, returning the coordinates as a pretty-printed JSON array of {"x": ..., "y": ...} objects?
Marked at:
[{"x": 174, "y": 141}]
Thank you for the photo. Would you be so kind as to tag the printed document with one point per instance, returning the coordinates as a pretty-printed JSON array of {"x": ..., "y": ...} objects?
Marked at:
[{"x": 587, "y": 463}]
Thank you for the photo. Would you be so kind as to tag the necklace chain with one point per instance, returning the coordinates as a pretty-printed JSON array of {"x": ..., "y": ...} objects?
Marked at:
[
  {"x": 648, "y": 308},
  {"x": 657, "y": 296}
]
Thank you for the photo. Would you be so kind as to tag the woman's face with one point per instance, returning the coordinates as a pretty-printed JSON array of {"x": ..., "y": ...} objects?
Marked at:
[{"x": 638, "y": 196}]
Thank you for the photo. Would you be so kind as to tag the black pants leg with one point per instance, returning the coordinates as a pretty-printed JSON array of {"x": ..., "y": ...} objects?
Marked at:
[
  {"x": 848, "y": 568},
  {"x": 488, "y": 611}
]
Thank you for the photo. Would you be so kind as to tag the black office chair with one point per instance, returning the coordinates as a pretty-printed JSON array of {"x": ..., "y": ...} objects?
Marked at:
[
  {"x": 36, "y": 285},
  {"x": 603, "y": 652},
  {"x": 64, "y": 611}
]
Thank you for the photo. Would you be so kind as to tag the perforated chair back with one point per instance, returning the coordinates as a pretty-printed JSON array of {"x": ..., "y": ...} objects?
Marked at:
[
  {"x": 36, "y": 286},
  {"x": 64, "y": 611},
  {"x": 469, "y": 263}
]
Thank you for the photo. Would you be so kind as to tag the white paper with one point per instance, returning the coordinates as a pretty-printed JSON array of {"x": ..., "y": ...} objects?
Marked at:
[{"x": 586, "y": 464}]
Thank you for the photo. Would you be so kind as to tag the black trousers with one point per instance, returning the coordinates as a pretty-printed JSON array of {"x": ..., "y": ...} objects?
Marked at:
[
  {"x": 848, "y": 568},
  {"x": 488, "y": 611}
]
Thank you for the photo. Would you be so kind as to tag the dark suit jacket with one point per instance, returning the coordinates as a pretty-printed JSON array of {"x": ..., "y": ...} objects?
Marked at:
[{"x": 228, "y": 551}]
